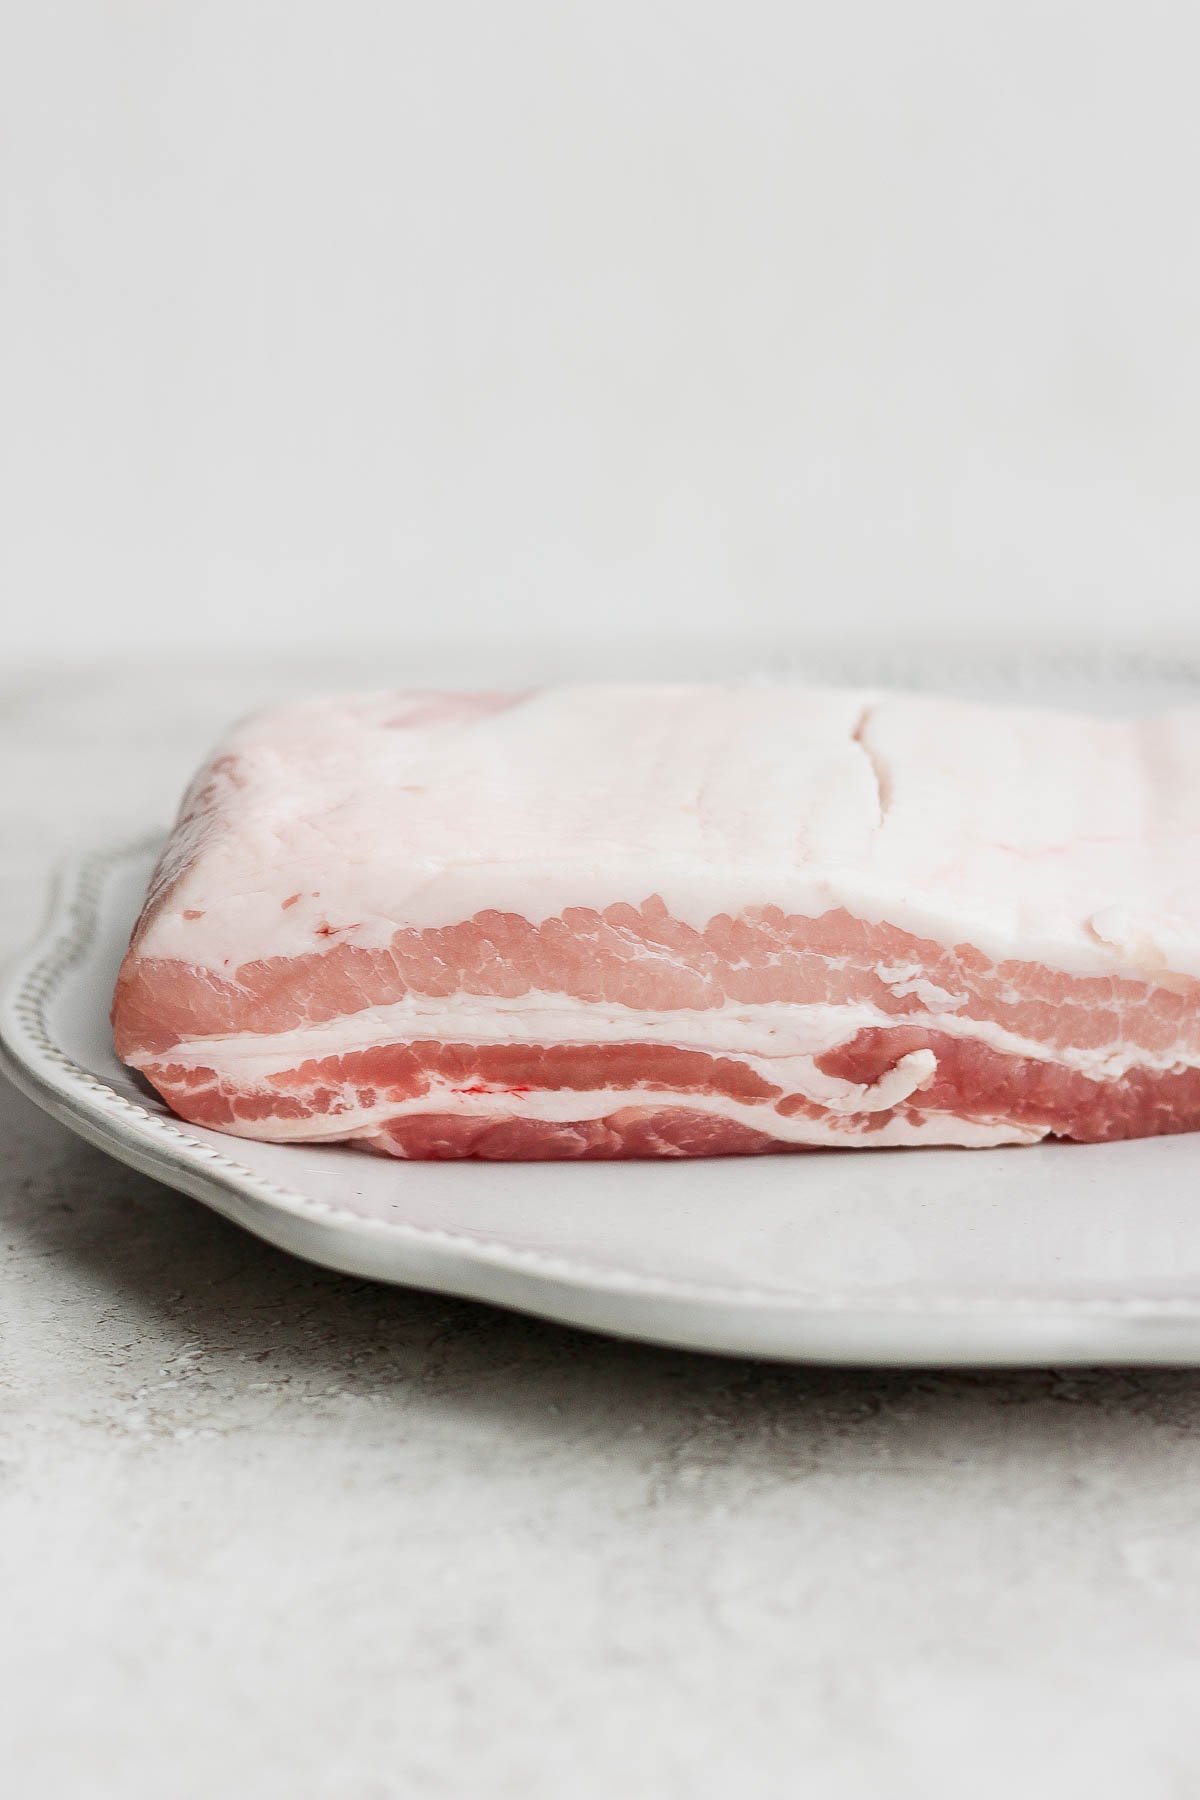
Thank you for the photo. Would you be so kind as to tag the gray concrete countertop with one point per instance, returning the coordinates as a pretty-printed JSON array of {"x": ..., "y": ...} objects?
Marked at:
[{"x": 266, "y": 1532}]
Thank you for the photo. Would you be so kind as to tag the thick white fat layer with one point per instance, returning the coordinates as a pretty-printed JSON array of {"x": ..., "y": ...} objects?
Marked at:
[
  {"x": 1043, "y": 837},
  {"x": 780, "y": 1042},
  {"x": 565, "y": 1107}
]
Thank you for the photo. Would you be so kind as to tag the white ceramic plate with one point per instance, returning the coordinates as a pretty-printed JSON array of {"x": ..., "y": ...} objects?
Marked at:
[{"x": 1062, "y": 1253}]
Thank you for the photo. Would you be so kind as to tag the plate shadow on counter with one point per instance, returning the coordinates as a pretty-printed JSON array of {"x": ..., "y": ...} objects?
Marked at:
[{"x": 132, "y": 1273}]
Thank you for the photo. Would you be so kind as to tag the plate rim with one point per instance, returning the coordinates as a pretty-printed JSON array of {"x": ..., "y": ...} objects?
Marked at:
[{"x": 727, "y": 1318}]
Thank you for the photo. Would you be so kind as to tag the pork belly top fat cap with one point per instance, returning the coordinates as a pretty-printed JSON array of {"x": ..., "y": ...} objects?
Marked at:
[{"x": 1049, "y": 837}]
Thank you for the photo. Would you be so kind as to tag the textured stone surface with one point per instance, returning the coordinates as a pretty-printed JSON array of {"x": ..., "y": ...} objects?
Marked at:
[{"x": 270, "y": 1532}]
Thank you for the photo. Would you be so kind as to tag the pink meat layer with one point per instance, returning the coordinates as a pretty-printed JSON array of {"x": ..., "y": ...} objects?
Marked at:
[
  {"x": 639, "y": 956},
  {"x": 642, "y": 958},
  {"x": 626, "y": 1135}
]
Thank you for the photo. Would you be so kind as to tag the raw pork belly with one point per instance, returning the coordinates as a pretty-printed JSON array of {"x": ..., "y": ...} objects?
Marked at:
[{"x": 681, "y": 921}]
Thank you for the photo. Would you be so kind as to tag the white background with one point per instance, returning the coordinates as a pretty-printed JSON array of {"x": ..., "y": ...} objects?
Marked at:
[{"x": 598, "y": 325}]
